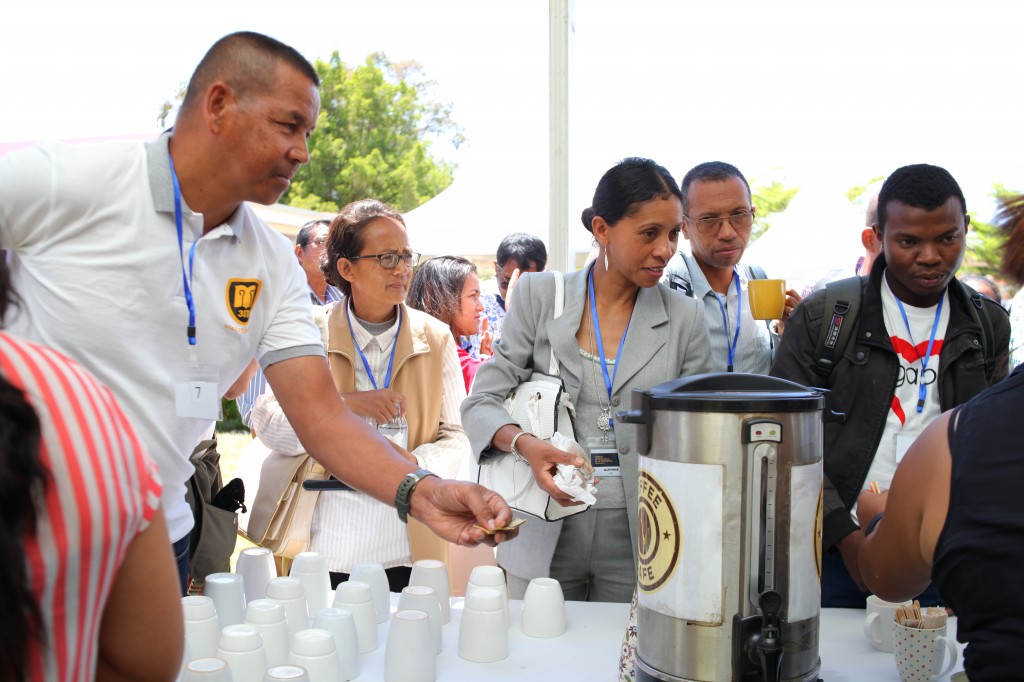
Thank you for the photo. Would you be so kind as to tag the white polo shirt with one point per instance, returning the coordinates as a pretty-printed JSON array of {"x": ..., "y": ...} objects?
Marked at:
[{"x": 94, "y": 258}]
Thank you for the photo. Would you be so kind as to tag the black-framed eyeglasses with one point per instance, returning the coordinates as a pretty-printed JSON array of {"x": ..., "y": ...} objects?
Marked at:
[
  {"x": 390, "y": 261},
  {"x": 739, "y": 221}
]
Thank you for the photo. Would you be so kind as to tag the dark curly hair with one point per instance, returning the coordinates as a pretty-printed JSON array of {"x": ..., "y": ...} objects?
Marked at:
[
  {"x": 1010, "y": 221},
  {"x": 22, "y": 480},
  {"x": 345, "y": 237},
  {"x": 709, "y": 171},
  {"x": 920, "y": 185}
]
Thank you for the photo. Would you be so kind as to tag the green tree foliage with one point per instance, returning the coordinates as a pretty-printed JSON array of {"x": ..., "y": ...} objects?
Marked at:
[
  {"x": 984, "y": 242},
  {"x": 858, "y": 193},
  {"x": 769, "y": 200},
  {"x": 373, "y": 138}
]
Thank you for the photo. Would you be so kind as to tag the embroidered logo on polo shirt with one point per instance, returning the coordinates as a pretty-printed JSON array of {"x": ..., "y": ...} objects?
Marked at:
[{"x": 241, "y": 297}]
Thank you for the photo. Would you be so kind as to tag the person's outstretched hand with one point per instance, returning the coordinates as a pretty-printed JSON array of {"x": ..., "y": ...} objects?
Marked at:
[{"x": 453, "y": 509}]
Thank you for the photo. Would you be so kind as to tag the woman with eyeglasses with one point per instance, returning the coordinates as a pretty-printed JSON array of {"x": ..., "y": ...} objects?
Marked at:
[
  {"x": 396, "y": 367},
  {"x": 619, "y": 330}
]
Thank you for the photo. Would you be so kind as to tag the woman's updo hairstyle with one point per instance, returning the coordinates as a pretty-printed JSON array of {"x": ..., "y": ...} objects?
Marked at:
[
  {"x": 625, "y": 186},
  {"x": 345, "y": 236}
]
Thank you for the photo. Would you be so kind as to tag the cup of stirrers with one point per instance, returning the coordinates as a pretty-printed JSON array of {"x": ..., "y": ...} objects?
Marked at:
[{"x": 911, "y": 616}]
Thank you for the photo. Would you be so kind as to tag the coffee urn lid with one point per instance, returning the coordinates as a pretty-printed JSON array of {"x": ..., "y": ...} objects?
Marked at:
[{"x": 733, "y": 392}]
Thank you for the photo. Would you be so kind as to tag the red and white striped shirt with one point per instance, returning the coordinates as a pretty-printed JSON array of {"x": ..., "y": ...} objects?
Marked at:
[{"x": 104, "y": 491}]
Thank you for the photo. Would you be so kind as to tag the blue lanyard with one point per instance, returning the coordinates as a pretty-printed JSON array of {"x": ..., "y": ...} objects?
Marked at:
[
  {"x": 609, "y": 381},
  {"x": 922, "y": 390},
  {"x": 366, "y": 364},
  {"x": 739, "y": 318},
  {"x": 186, "y": 280}
]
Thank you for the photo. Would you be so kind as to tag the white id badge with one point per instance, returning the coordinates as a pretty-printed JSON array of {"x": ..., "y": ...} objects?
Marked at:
[
  {"x": 604, "y": 456},
  {"x": 903, "y": 443},
  {"x": 197, "y": 392}
]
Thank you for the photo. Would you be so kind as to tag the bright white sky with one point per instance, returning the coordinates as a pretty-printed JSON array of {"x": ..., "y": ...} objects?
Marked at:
[{"x": 810, "y": 93}]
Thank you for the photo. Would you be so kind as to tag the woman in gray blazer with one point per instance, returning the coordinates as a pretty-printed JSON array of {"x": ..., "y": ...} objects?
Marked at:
[{"x": 615, "y": 309}]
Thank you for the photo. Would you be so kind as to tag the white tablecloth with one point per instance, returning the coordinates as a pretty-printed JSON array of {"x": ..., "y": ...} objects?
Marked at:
[{"x": 589, "y": 650}]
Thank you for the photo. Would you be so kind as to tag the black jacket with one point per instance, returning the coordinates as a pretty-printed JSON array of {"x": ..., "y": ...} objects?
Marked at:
[{"x": 863, "y": 382}]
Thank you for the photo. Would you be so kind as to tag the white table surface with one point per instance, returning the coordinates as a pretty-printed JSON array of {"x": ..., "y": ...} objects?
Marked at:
[{"x": 589, "y": 649}]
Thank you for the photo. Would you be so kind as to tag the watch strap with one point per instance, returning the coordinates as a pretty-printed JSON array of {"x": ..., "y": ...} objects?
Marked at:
[{"x": 403, "y": 496}]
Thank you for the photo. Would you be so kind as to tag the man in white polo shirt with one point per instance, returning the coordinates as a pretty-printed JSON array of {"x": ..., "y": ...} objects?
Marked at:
[{"x": 142, "y": 262}]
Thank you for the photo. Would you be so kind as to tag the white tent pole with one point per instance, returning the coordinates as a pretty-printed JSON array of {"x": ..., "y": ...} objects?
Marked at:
[{"x": 560, "y": 29}]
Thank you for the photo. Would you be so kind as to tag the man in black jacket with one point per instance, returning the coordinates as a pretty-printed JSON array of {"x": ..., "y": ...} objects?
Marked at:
[{"x": 917, "y": 349}]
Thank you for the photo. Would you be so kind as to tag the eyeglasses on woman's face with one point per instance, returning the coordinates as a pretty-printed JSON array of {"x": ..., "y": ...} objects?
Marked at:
[{"x": 390, "y": 261}]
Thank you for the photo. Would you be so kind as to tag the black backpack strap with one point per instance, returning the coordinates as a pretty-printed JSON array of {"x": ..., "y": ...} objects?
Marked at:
[
  {"x": 979, "y": 311},
  {"x": 842, "y": 305}
]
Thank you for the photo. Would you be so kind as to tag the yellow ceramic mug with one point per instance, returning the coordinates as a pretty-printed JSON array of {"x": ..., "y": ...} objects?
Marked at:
[{"x": 767, "y": 298}]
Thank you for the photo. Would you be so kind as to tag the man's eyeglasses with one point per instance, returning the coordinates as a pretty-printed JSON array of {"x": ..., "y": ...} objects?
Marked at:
[
  {"x": 739, "y": 221},
  {"x": 390, "y": 261}
]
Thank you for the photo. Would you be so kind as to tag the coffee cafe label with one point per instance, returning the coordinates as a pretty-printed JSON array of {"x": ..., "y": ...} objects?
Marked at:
[{"x": 679, "y": 569}]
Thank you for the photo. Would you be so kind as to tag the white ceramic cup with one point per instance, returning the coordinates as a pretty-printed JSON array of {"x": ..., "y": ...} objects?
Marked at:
[
  {"x": 410, "y": 654},
  {"x": 483, "y": 635},
  {"x": 919, "y": 652},
  {"x": 313, "y": 649},
  {"x": 311, "y": 569},
  {"x": 342, "y": 625},
  {"x": 290, "y": 594},
  {"x": 543, "y": 609},
  {"x": 491, "y": 577},
  {"x": 374, "y": 576},
  {"x": 286, "y": 673},
  {"x": 878, "y": 622},
  {"x": 242, "y": 647},
  {"x": 228, "y": 595},
  {"x": 256, "y": 566},
  {"x": 420, "y": 598},
  {"x": 356, "y": 597},
  {"x": 267, "y": 616},
  {"x": 433, "y": 573},
  {"x": 202, "y": 627},
  {"x": 207, "y": 669}
]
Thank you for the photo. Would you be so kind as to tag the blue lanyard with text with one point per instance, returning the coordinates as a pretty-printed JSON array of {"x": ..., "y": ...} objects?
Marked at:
[
  {"x": 922, "y": 390},
  {"x": 366, "y": 364},
  {"x": 186, "y": 280},
  {"x": 609, "y": 381},
  {"x": 725, "y": 320}
]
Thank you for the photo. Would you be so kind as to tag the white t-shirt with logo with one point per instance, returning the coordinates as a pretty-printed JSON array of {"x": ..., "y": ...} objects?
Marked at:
[{"x": 903, "y": 422}]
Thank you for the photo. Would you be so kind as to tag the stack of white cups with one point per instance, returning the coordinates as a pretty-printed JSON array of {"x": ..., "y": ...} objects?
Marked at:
[
  {"x": 311, "y": 569},
  {"x": 342, "y": 625},
  {"x": 491, "y": 577},
  {"x": 420, "y": 598},
  {"x": 313, "y": 649},
  {"x": 202, "y": 627},
  {"x": 289, "y": 593},
  {"x": 267, "y": 616},
  {"x": 357, "y": 598},
  {"x": 257, "y": 568},
  {"x": 483, "y": 635},
  {"x": 375, "y": 576},
  {"x": 241, "y": 646},
  {"x": 434, "y": 574},
  {"x": 411, "y": 652},
  {"x": 228, "y": 595}
]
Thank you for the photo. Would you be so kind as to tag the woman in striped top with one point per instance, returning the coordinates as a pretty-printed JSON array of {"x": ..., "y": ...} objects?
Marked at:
[{"x": 96, "y": 594}]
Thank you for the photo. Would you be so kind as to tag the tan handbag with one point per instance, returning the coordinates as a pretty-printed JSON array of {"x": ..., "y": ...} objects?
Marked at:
[{"x": 282, "y": 512}]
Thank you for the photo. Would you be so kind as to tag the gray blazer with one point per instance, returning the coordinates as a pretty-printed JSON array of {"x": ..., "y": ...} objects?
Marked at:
[{"x": 667, "y": 338}]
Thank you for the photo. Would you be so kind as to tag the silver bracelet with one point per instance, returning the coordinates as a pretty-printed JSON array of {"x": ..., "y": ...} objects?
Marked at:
[{"x": 512, "y": 446}]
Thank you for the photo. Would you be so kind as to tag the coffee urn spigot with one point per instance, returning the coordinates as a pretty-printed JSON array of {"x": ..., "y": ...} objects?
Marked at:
[{"x": 769, "y": 642}]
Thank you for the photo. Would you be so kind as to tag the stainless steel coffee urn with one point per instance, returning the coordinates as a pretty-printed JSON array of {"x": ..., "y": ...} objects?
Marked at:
[{"x": 729, "y": 573}]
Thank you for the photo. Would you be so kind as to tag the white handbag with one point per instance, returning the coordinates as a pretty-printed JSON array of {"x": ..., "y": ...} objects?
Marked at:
[{"x": 542, "y": 408}]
